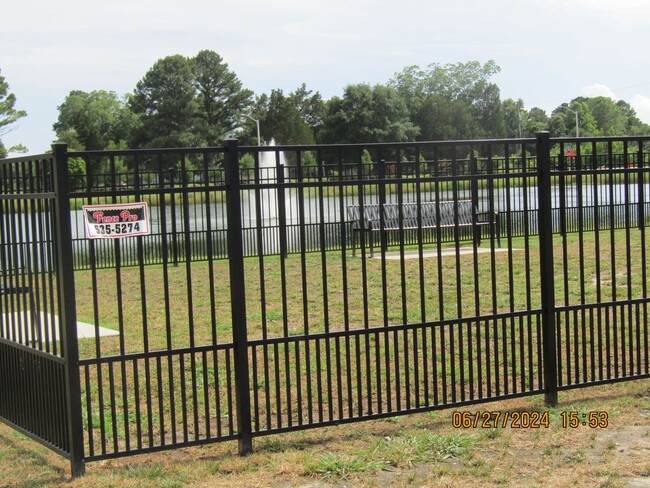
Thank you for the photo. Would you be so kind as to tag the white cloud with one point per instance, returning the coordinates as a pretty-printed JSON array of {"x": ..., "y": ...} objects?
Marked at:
[
  {"x": 598, "y": 90},
  {"x": 641, "y": 104},
  {"x": 620, "y": 11},
  {"x": 49, "y": 48}
]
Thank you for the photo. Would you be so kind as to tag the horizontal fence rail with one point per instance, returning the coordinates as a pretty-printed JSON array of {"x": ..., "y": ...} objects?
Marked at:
[{"x": 290, "y": 287}]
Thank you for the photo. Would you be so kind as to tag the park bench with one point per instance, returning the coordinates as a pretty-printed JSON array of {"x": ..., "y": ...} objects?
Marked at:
[{"x": 461, "y": 213}]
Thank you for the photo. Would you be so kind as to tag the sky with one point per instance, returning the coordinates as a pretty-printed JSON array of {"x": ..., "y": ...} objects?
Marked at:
[{"x": 549, "y": 52}]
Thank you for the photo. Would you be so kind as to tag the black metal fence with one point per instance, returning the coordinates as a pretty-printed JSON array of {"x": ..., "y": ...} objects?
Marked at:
[
  {"x": 39, "y": 375},
  {"x": 184, "y": 187},
  {"x": 291, "y": 331}
]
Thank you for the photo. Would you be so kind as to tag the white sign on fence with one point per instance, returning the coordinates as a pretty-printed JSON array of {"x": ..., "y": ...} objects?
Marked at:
[{"x": 115, "y": 221}]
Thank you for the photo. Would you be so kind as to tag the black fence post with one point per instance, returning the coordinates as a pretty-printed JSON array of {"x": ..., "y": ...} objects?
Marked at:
[
  {"x": 383, "y": 235},
  {"x": 640, "y": 189},
  {"x": 282, "y": 211},
  {"x": 473, "y": 174},
  {"x": 67, "y": 308},
  {"x": 545, "y": 229},
  {"x": 173, "y": 210},
  {"x": 238, "y": 296}
]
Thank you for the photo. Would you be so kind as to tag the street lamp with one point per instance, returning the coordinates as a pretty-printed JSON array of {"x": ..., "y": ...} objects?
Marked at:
[
  {"x": 259, "y": 141},
  {"x": 570, "y": 110}
]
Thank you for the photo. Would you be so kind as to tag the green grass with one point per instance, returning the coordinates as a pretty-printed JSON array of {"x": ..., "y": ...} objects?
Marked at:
[
  {"x": 390, "y": 453},
  {"x": 289, "y": 298},
  {"x": 419, "y": 450},
  {"x": 332, "y": 465}
]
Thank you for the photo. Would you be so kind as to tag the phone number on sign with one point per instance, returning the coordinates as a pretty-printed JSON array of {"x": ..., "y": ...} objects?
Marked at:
[{"x": 116, "y": 228}]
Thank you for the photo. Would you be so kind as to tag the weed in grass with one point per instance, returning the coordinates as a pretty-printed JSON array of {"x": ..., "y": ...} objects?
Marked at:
[
  {"x": 434, "y": 415},
  {"x": 612, "y": 482},
  {"x": 401, "y": 452},
  {"x": 332, "y": 465},
  {"x": 577, "y": 456},
  {"x": 453, "y": 445},
  {"x": 492, "y": 434},
  {"x": 172, "y": 483},
  {"x": 213, "y": 467},
  {"x": 421, "y": 447},
  {"x": 478, "y": 463},
  {"x": 549, "y": 451},
  {"x": 480, "y": 469},
  {"x": 149, "y": 471},
  {"x": 272, "y": 445},
  {"x": 393, "y": 420},
  {"x": 502, "y": 479}
]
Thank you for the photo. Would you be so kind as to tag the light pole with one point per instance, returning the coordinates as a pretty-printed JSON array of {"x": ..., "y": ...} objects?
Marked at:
[
  {"x": 570, "y": 110},
  {"x": 259, "y": 141}
]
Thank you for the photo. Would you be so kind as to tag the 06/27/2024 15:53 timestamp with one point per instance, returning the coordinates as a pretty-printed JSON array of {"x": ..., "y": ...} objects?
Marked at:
[{"x": 526, "y": 419}]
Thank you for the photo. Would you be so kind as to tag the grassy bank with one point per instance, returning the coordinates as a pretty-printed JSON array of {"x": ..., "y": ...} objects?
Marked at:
[
  {"x": 417, "y": 450},
  {"x": 303, "y": 295}
]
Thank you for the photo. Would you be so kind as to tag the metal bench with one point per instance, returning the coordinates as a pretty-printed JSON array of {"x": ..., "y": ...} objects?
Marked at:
[{"x": 431, "y": 215}]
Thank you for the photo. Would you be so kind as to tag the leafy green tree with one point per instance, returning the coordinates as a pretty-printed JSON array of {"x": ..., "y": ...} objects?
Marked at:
[
  {"x": 288, "y": 119},
  {"x": 281, "y": 120},
  {"x": 93, "y": 121},
  {"x": 222, "y": 102},
  {"x": 536, "y": 121},
  {"x": 610, "y": 118},
  {"x": 519, "y": 122},
  {"x": 185, "y": 102},
  {"x": 367, "y": 114},
  {"x": 8, "y": 113},
  {"x": 166, "y": 105},
  {"x": 485, "y": 100},
  {"x": 598, "y": 116},
  {"x": 514, "y": 117},
  {"x": 440, "y": 119},
  {"x": 463, "y": 86},
  {"x": 633, "y": 125},
  {"x": 563, "y": 120},
  {"x": 310, "y": 105}
]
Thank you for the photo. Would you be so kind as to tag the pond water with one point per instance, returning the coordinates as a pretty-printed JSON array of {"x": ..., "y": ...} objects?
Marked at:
[{"x": 309, "y": 218}]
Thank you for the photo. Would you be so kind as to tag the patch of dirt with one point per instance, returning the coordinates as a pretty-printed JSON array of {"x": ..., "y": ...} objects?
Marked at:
[{"x": 631, "y": 442}]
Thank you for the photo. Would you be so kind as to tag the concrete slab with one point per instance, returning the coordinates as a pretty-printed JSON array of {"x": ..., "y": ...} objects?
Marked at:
[
  {"x": 445, "y": 251},
  {"x": 19, "y": 320}
]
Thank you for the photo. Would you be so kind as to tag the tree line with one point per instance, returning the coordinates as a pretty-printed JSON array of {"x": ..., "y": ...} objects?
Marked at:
[
  {"x": 198, "y": 101},
  {"x": 8, "y": 115}
]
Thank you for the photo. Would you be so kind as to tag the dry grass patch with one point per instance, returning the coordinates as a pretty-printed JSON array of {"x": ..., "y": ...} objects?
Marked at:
[{"x": 415, "y": 450}]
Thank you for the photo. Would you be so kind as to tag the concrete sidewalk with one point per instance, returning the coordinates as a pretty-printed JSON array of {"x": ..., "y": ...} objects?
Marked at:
[
  {"x": 445, "y": 251},
  {"x": 12, "y": 323}
]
